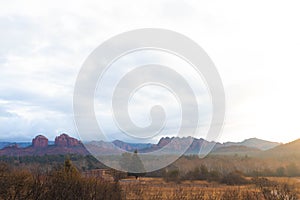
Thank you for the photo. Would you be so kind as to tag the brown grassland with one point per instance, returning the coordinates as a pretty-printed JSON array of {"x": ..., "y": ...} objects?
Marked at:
[
  {"x": 157, "y": 188},
  {"x": 68, "y": 182}
]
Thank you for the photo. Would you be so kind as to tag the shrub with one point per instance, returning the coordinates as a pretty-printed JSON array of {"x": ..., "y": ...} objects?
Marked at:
[
  {"x": 234, "y": 178},
  {"x": 64, "y": 183},
  {"x": 173, "y": 176}
]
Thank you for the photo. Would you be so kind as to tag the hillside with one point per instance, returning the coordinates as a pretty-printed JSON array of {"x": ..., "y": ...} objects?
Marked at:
[
  {"x": 254, "y": 143},
  {"x": 131, "y": 146},
  {"x": 288, "y": 150},
  {"x": 236, "y": 150}
]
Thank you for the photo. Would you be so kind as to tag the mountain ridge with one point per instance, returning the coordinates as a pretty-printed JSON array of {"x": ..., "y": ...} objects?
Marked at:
[
  {"x": 285, "y": 150},
  {"x": 65, "y": 144},
  {"x": 255, "y": 143}
]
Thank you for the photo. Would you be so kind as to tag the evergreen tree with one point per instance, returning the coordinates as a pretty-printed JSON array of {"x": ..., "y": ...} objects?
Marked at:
[{"x": 132, "y": 164}]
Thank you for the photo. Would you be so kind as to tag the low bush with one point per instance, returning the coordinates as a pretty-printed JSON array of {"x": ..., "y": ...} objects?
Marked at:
[{"x": 234, "y": 178}]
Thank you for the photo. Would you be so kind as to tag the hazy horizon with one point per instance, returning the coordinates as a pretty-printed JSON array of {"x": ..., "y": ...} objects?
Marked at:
[{"x": 152, "y": 142}]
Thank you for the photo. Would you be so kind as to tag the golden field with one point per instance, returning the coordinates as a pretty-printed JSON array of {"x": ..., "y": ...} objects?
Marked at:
[{"x": 157, "y": 188}]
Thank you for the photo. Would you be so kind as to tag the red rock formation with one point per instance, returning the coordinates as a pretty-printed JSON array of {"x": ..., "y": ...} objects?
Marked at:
[
  {"x": 164, "y": 141},
  {"x": 40, "y": 141},
  {"x": 63, "y": 145},
  {"x": 66, "y": 141}
]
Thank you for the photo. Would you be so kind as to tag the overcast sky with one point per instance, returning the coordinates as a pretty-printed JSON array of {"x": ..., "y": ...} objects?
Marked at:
[{"x": 255, "y": 46}]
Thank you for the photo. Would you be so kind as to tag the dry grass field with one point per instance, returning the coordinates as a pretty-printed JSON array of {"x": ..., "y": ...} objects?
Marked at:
[{"x": 156, "y": 188}]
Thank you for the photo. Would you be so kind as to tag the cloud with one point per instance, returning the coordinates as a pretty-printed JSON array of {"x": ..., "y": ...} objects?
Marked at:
[{"x": 254, "y": 45}]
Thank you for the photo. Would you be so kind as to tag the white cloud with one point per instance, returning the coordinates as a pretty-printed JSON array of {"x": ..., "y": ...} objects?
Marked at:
[{"x": 255, "y": 46}]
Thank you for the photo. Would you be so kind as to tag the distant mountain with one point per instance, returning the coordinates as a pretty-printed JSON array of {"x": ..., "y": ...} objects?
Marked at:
[
  {"x": 102, "y": 148},
  {"x": 248, "y": 146},
  {"x": 186, "y": 145},
  {"x": 20, "y": 144},
  {"x": 254, "y": 143},
  {"x": 285, "y": 150},
  {"x": 65, "y": 144},
  {"x": 236, "y": 149},
  {"x": 131, "y": 146},
  {"x": 5, "y": 144}
]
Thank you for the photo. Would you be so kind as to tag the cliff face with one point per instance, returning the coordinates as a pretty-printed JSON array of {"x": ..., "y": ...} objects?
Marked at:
[
  {"x": 63, "y": 140},
  {"x": 66, "y": 141},
  {"x": 40, "y": 141}
]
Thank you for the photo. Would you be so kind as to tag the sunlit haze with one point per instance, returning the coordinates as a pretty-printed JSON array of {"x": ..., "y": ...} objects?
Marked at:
[{"x": 255, "y": 46}]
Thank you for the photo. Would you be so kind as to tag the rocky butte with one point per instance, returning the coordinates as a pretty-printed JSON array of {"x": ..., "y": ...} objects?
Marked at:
[
  {"x": 40, "y": 141},
  {"x": 64, "y": 144},
  {"x": 66, "y": 141}
]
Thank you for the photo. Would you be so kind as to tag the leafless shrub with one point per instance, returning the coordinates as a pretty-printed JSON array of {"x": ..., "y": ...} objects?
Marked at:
[
  {"x": 274, "y": 190},
  {"x": 61, "y": 184}
]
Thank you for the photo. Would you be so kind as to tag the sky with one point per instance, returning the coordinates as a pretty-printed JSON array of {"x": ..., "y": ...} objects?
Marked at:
[{"x": 255, "y": 46}]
